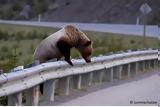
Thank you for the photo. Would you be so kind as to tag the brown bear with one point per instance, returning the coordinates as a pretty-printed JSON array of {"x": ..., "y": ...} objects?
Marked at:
[{"x": 60, "y": 43}]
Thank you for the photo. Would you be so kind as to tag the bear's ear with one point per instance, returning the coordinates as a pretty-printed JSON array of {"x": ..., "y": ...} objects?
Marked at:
[{"x": 88, "y": 43}]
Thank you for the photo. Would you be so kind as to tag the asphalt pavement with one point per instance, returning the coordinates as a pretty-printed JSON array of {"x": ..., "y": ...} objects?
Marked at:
[
  {"x": 137, "y": 91},
  {"x": 151, "y": 30}
]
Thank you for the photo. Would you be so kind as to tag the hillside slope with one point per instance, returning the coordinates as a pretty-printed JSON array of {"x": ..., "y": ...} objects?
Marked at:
[{"x": 108, "y": 11}]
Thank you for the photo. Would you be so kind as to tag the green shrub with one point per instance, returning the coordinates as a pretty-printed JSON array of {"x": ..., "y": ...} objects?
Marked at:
[
  {"x": 32, "y": 35},
  {"x": 20, "y": 53},
  {"x": 6, "y": 14},
  {"x": 19, "y": 35},
  {"x": 27, "y": 61},
  {"x": 39, "y": 6},
  {"x": 2, "y": 57},
  {"x": 159, "y": 44},
  {"x": 4, "y": 35},
  {"x": 132, "y": 41},
  {"x": 32, "y": 48},
  {"x": 3, "y": 101},
  {"x": 115, "y": 45},
  {"x": 99, "y": 51},
  {"x": 4, "y": 49}
]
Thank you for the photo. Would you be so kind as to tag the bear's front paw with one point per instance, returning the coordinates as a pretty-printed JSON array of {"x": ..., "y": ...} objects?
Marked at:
[{"x": 69, "y": 62}]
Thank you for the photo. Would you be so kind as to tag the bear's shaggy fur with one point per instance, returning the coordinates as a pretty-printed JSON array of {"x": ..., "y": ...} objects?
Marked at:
[{"x": 59, "y": 44}]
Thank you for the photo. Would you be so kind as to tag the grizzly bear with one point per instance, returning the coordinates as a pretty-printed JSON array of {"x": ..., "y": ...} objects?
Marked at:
[{"x": 60, "y": 43}]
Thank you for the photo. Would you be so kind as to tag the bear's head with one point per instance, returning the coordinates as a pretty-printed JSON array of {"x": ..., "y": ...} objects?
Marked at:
[
  {"x": 80, "y": 41},
  {"x": 86, "y": 50}
]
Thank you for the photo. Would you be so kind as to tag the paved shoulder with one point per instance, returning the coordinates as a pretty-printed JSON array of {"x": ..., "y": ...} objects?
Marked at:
[{"x": 142, "y": 91}]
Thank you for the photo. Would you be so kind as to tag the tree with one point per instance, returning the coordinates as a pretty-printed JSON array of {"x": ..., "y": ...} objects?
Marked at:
[{"x": 40, "y": 6}]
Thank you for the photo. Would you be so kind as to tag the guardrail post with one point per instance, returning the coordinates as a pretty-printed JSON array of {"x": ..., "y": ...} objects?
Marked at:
[
  {"x": 15, "y": 99},
  {"x": 75, "y": 81},
  {"x": 120, "y": 72},
  {"x": 132, "y": 69},
  {"x": 79, "y": 82},
  {"x": 95, "y": 76},
  {"x": 49, "y": 90},
  {"x": 109, "y": 74},
  {"x": 149, "y": 64},
  {"x": 101, "y": 76},
  {"x": 129, "y": 70},
  {"x": 137, "y": 67},
  {"x": 98, "y": 76},
  {"x": 90, "y": 78},
  {"x": 140, "y": 66},
  {"x": 155, "y": 63},
  {"x": 152, "y": 64},
  {"x": 143, "y": 64},
  {"x": 32, "y": 97},
  {"x": 117, "y": 72},
  {"x": 64, "y": 86},
  {"x": 124, "y": 71},
  {"x": 85, "y": 80}
]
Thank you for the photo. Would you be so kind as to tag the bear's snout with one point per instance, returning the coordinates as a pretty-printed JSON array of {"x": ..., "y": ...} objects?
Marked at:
[{"x": 88, "y": 60}]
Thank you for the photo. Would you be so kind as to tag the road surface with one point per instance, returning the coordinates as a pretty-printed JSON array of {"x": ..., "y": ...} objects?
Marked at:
[
  {"x": 151, "y": 30},
  {"x": 143, "y": 90}
]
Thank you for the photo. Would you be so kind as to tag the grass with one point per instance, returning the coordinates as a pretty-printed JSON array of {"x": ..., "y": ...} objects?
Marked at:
[
  {"x": 12, "y": 28},
  {"x": 14, "y": 52},
  {"x": 107, "y": 42}
]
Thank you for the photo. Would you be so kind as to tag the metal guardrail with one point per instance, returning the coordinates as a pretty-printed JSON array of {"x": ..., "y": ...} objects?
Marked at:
[{"x": 14, "y": 83}]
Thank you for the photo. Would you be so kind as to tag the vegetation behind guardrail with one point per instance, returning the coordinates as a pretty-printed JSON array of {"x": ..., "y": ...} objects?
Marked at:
[{"x": 19, "y": 42}]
